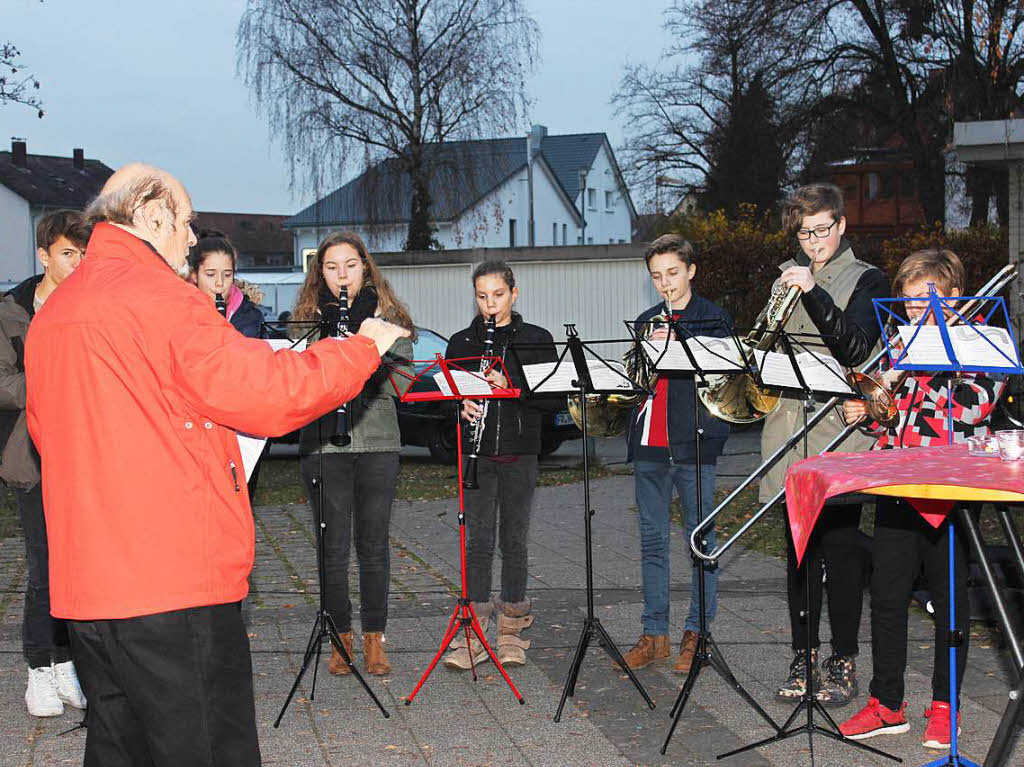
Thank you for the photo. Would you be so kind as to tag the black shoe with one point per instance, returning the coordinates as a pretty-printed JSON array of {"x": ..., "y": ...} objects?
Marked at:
[
  {"x": 796, "y": 685},
  {"x": 839, "y": 686}
]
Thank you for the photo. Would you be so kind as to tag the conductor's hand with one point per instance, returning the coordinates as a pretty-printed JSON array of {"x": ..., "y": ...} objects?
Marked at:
[
  {"x": 471, "y": 410},
  {"x": 800, "y": 276},
  {"x": 854, "y": 410},
  {"x": 496, "y": 379},
  {"x": 382, "y": 333}
]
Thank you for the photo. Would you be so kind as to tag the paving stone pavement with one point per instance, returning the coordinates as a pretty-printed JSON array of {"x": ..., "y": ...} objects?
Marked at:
[{"x": 455, "y": 721}]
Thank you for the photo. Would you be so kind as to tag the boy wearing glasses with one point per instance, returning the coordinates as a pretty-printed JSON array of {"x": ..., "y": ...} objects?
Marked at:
[{"x": 836, "y": 302}]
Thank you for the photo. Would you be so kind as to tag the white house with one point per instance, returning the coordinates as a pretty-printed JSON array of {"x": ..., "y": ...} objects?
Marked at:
[
  {"x": 484, "y": 195},
  {"x": 32, "y": 185}
]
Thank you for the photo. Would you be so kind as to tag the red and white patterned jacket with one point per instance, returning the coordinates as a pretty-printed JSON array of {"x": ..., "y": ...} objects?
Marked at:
[{"x": 921, "y": 403}]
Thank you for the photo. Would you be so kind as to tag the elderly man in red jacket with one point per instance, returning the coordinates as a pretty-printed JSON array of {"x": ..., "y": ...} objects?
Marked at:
[{"x": 136, "y": 388}]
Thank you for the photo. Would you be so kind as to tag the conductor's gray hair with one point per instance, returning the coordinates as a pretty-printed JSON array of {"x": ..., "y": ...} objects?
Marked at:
[{"x": 119, "y": 205}]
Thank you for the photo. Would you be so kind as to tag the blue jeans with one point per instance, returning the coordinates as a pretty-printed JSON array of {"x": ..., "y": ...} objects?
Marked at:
[{"x": 654, "y": 483}]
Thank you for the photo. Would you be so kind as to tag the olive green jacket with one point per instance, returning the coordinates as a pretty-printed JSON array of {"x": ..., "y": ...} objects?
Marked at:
[{"x": 372, "y": 415}]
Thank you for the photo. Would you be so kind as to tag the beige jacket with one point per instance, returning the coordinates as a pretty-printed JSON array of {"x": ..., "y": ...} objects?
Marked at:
[{"x": 838, "y": 277}]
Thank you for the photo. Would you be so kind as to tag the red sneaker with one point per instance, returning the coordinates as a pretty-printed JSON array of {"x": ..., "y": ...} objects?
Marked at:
[
  {"x": 936, "y": 734},
  {"x": 875, "y": 719}
]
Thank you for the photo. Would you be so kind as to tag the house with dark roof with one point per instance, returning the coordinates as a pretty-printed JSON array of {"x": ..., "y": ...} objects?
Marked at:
[
  {"x": 261, "y": 239},
  {"x": 31, "y": 185},
  {"x": 486, "y": 194}
]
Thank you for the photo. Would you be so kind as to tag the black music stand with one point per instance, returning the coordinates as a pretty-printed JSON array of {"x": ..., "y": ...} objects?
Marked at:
[
  {"x": 707, "y": 652},
  {"x": 583, "y": 384},
  {"x": 324, "y": 626},
  {"x": 809, "y": 702},
  {"x": 463, "y": 617}
]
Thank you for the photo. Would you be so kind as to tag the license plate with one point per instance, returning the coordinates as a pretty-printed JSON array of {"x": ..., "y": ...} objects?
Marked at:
[{"x": 563, "y": 419}]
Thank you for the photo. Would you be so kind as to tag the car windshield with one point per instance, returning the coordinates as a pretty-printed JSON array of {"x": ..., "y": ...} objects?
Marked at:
[{"x": 428, "y": 344}]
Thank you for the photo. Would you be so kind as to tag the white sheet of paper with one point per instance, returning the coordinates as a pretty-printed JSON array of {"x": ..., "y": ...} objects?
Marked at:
[
  {"x": 821, "y": 373},
  {"x": 565, "y": 373},
  {"x": 466, "y": 382},
  {"x": 252, "y": 447},
  {"x": 711, "y": 353},
  {"x": 926, "y": 349},
  {"x": 972, "y": 350}
]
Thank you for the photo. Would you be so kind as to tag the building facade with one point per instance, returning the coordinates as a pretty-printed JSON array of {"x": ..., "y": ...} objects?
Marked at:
[{"x": 486, "y": 194}]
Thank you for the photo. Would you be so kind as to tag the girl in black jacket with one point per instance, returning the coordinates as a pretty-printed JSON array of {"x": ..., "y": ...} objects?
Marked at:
[
  {"x": 213, "y": 260},
  {"x": 507, "y": 469}
]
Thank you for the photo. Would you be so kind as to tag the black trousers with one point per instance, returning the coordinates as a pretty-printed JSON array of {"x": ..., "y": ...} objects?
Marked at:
[
  {"x": 44, "y": 639},
  {"x": 904, "y": 543},
  {"x": 359, "y": 489},
  {"x": 835, "y": 543},
  {"x": 506, "y": 488},
  {"x": 172, "y": 689}
]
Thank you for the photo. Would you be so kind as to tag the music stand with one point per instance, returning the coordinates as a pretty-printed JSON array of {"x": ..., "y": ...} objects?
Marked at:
[
  {"x": 950, "y": 350},
  {"x": 573, "y": 360},
  {"x": 711, "y": 362},
  {"x": 473, "y": 386},
  {"x": 786, "y": 380},
  {"x": 324, "y": 626}
]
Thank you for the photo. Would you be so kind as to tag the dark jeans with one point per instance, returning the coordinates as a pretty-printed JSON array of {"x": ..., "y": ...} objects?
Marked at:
[
  {"x": 358, "y": 491},
  {"x": 835, "y": 543},
  {"x": 44, "y": 639},
  {"x": 904, "y": 543},
  {"x": 507, "y": 487},
  {"x": 172, "y": 689}
]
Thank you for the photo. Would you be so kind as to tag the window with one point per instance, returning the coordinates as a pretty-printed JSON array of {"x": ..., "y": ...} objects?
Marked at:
[
  {"x": 511, "y": 232},
  {"x": 554, "y": 234},
  {"x": 592, "y": 199},
  {"x": 564, "y": 228},
  {"x": 611, "y": 240},
  {"x": 590, "y": 241},
  {"x": 579, "y": 240},
  {"x": 609, "y": 201}
]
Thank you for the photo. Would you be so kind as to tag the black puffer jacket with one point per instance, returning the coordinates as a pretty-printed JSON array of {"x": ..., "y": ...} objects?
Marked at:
[{"x": 513, "y": 425}]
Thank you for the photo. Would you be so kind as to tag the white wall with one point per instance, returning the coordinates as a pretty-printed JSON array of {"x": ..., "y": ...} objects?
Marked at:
[
  {"x": 604, "y": 224},
  {"x": 17, "y": 237},
  {"x": 596, "y": 295}
]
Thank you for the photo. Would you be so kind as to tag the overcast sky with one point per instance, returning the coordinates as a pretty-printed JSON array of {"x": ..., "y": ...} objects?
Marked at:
[{"x": 155, "y": 81}]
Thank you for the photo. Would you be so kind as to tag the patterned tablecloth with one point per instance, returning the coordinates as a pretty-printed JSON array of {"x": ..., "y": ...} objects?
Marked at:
[{"x": 932, "y": 479}]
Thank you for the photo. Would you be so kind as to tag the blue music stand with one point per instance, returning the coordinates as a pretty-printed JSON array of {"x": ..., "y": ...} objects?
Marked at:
[{"x": 938, "y": 308}]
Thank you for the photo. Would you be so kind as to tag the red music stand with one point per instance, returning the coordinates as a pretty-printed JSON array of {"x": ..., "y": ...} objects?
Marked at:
[{"x": 463, "y": 617}]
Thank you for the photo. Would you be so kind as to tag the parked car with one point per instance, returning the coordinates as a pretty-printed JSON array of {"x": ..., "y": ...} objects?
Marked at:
[{"x": 432, "y": 424}]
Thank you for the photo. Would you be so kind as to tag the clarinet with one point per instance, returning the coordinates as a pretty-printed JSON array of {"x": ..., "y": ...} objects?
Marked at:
[
  {"x": 221, "y": 304},
  {"x": 476, "y": 437},
  {"x": 341, "y": 436}
]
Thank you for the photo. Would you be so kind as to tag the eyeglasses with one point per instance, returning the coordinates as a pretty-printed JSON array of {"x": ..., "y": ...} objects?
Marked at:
[{"x": 821, "y": 232}]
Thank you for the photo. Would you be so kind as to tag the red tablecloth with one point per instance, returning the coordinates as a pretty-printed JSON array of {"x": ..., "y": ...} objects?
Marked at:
[{"x": 937, "y": 469}]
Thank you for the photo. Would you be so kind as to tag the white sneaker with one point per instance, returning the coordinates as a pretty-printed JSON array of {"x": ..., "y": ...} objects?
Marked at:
[
  {"x": 68, "y": 688},
  {"x": 41, "y": 695}
]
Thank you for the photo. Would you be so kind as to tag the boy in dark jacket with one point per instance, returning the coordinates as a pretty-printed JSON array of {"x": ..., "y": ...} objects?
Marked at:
[
  {"x": 661, "y": 446},
  {"x": 61, "y": 237}
]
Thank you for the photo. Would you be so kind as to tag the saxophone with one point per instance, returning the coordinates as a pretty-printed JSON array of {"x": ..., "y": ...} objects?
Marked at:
[{"x": 737, "y": 397}]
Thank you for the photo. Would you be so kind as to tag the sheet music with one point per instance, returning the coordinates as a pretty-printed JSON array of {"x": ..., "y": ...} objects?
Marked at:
[
  {"x": 820, "y": 372},
  {"x": 969, "y": 346},
  {"x": 252, "y": 447},
  {"x": 710, "y": 352},
  {"x": 565, "y": 373},
  {"x": 467, "y": 383}
]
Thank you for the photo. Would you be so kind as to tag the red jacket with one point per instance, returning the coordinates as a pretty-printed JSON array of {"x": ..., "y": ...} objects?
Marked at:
[{"x": 137, "y": 386}]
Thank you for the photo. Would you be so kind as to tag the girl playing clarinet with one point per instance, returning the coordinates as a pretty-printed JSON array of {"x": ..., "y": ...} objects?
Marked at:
[
  {"x": 358, "y": 445},
  {"x": 507, "y": 444}
]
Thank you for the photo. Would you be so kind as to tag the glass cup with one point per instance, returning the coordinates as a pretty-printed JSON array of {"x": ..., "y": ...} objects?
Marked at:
[
  {"x": 1011, "y": 444},
  {"x": 986, "y": 446}
]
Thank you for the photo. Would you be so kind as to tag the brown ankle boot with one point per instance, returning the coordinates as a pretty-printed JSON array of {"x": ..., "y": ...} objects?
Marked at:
[
  {"x": 647, "y": 650},
  {"x": 376, "y": 658},
  {"x": 687, "y": 649},
  {"x": 337, "y": 665}
]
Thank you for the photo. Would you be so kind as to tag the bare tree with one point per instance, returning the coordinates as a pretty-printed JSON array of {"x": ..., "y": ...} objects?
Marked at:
[
  {"x": 17, "y": 86},
  {"x": 727, "y": 53},
  {"x": 348, "y": 80}
]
